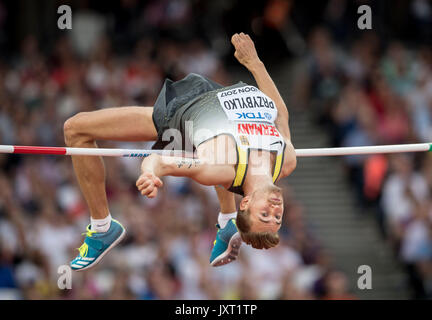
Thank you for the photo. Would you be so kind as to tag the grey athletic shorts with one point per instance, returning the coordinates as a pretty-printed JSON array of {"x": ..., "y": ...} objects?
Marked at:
[{"x": 172, "y": 97}]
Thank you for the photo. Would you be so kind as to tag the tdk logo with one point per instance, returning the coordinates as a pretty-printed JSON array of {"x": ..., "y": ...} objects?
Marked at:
[{"x": 253, "y": 115}]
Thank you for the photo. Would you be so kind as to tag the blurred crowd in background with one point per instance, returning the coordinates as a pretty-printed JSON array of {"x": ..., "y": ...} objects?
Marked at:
[
  {"x": 372, "y": 92},
  {"x": 363, "y": 90}
]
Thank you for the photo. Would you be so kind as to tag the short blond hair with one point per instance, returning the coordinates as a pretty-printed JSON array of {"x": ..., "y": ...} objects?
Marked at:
[{"x": 258, "y": 240}]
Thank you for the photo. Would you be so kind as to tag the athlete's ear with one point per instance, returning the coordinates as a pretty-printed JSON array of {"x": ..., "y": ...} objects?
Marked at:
[{"x": 244, "y": 203}]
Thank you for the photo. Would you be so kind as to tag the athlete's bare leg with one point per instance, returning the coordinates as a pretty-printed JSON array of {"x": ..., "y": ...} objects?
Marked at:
[
  {"x": 84, "y": 129},
  {"x": 226, "y": 200}
]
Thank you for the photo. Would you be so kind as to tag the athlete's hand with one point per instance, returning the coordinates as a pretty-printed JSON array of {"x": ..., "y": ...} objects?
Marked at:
[
  {"x": 148, "y": 184},
  {"x": 245, "y": 51}
]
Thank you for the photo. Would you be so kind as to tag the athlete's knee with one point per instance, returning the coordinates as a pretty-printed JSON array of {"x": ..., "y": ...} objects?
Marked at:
[{"x": 73, "y": 130}]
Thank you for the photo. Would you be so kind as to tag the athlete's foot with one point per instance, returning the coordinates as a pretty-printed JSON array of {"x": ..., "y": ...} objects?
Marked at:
[
  {"x": 226, "y": 246},
  {"x": 96, "y": 245}
]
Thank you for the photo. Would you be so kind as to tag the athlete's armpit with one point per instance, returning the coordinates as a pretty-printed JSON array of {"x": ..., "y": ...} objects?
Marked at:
[{"x": 290, "y": 160}]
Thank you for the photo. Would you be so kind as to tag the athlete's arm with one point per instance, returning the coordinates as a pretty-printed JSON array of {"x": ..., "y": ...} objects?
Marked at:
[
  {"x": 246, "y": 54},
  {"x": 202, "y": 171}
]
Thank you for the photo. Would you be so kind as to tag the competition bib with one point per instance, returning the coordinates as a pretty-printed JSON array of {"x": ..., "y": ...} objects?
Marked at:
[{"x": 247, "y": 104}]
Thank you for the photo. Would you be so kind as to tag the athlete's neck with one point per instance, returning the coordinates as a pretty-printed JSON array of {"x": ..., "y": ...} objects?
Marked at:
[
  {"x": 259, "y": 171},
  {"x": 254, "y": 182}
]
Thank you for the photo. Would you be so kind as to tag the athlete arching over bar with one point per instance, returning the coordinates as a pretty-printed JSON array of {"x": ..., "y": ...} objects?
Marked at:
[{"x": 243, "y": 145}]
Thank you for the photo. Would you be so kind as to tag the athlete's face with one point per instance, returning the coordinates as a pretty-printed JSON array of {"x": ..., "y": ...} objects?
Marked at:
[{"x": 265, "y": 208}]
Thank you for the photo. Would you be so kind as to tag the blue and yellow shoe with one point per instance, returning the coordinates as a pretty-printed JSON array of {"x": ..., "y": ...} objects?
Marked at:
[
  {"x": 226, "y": 246},
  {"x": 96, "y": 245}
]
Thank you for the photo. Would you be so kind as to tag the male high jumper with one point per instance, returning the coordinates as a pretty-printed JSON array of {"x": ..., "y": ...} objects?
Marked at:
[{"x": 241, "y": 141}]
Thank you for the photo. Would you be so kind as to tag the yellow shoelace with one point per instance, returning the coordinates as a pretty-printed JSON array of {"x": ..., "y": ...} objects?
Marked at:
[
  {"x": 214, "y": 243},
  {"x": 83, "y": 250}
]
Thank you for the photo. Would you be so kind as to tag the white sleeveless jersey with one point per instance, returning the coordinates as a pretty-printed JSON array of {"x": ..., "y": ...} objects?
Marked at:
[{"x": 251, "y": 116}]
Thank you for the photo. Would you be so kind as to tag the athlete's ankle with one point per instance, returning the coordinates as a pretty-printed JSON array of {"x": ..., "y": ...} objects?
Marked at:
[
  {"x": 223, "y": 218},
  {"x": 101, "y": 225}
]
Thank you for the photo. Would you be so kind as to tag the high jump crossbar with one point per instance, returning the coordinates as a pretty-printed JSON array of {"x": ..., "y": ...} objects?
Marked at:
[{"x": 138, "y": 153}]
